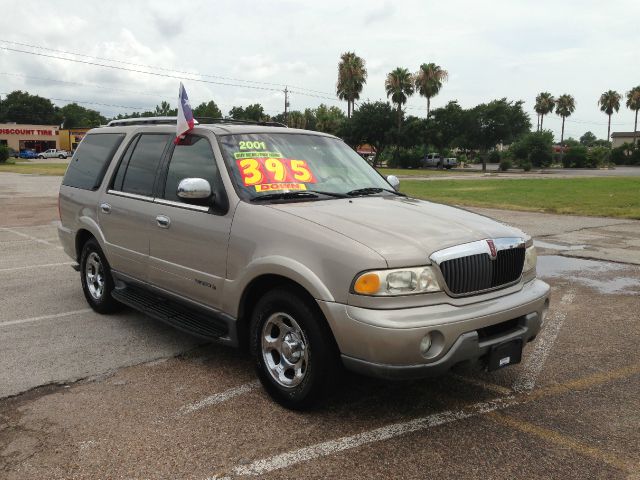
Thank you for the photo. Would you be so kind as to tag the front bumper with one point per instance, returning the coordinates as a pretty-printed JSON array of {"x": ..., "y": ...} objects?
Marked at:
[{"x": 374, "y": 342}]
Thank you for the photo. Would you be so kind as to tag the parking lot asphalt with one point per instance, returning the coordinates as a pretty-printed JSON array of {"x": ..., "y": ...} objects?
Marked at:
[{"x": 121, "y": 396}]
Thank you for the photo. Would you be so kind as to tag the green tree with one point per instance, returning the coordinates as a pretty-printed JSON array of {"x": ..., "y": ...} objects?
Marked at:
[
  {"x": 22, "y": 107},
  {"x": 296, "y": 119},
  {"x": 399, "y": 86},
  {"x": 609, "y": 102},
  {"x": 253, "y": 112},
  {"x": 74, "y": 116},
  {"x": 497, "y": 122},
  {"x": 208, "y": 109},
  {"x": 446, "y": 126},
  {"x": 428, "y": 81},
  {"x": 352, "y": 75},
  {"x": 329, "y": 119},
  {"x": 544, "y": 105},
  {"x": 633, "y": 103},
  {"x": 565, "y": 106},
  {"x": 372, "y": 123},
  {"x": 165, "y": 110},
  {"x": 588, "y": 139},
  {"x": 4, "y": 153}
]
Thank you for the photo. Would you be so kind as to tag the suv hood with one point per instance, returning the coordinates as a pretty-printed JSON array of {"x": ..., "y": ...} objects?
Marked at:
[{"x": 405, "y": 231}]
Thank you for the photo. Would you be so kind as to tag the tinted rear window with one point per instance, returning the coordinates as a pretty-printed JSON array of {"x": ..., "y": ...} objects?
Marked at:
[
  {"x": 143, "y": 165},
  {"x": 89, "y": 164}
]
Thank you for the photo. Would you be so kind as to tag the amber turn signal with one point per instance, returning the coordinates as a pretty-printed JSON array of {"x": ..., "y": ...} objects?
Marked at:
[{"x": 367, "y": 284}]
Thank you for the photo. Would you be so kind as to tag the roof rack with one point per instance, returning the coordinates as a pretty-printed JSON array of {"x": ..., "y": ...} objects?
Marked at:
[
  {"x": 123, "y": 122},
  {"x": 211, "y": 120}
]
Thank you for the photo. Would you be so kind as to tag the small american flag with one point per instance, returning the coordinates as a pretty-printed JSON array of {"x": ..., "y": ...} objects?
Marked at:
[{"x": 185, "y": 115}]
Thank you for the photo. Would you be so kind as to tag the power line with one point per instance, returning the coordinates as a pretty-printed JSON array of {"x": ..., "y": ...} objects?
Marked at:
[{"x": 66, "y": 52}]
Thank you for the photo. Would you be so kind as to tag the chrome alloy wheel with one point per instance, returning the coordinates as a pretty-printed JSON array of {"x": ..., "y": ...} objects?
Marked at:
[
  {"x": 284, "y": 350},
  {"x": 94, "y": 275}
]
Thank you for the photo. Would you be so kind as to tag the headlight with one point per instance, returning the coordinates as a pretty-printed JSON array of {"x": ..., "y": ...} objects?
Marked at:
[
  {"x": 403, "y": 281},
  {"x": 530, "y": 259}
]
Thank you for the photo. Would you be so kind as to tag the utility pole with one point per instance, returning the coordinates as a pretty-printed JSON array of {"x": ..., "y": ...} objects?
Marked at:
[{"x": 286, "y": 105}]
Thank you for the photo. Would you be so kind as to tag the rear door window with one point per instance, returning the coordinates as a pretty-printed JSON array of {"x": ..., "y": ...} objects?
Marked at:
[
  {"x": 89, "y": 164},
  {"x": 141, "y": 169}
]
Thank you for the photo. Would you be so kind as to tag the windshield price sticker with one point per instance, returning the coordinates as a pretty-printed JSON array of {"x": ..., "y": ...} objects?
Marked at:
[
  {"x": 266, "y": 173},
  {"x": 264, "y": 154},
  {"x": 269, "y": 187}
]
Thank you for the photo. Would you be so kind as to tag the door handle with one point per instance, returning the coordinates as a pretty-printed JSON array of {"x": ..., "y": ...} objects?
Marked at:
[
  {"x": 105, "y": 207},
  {"x": 163, "y": 221}
]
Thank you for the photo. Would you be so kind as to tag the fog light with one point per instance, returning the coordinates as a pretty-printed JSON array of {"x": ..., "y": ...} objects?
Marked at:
[{"x": 425, "y": 344}]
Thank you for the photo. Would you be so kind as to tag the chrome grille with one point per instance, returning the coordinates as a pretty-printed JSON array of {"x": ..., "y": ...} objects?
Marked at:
[
  {"x": 478, "y": 272},
  {"x": 469, "y": 268}
]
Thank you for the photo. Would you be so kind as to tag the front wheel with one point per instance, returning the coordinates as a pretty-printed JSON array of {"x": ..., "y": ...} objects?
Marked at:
[
  {"x": 97, "y": 282},
  {"x": 39, "y": 156},
  {"x": 295, "y": 355}
]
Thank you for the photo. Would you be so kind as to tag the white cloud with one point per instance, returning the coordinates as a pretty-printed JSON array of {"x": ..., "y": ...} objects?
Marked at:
[{"x": 491, "y": 50}]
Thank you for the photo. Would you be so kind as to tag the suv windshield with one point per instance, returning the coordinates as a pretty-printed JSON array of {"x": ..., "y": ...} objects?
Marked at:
[{"x": 285, "y": 165}]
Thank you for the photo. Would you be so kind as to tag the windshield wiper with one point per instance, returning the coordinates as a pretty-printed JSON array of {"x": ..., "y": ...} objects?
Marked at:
[
  {"x": 372, "y": 191},
  {"x": 284, "y": 196},
  {"x": 330, "y": 194}
]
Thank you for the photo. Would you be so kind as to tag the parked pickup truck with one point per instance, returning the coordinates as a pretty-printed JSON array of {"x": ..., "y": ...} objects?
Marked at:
[
  {"x": 53, "y": 153},
  {"x": 435, "y": 160}
]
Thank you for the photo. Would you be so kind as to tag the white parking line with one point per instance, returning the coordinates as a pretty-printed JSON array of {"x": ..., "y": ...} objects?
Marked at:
[
  {"x": 31, "y": 237},
  {"x": 533, "y": 365},
  {"x": 284, "y": 460},
  {"x": 13, "y": 269},
  {"x": 43, "y": 317},
  {"x": 219, "y": 397}
]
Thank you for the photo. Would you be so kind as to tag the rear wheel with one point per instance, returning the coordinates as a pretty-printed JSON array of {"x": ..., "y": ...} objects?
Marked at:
[
  {"x": 97, "y": 282},
  {"x": 62, "y": 156},
  {"x": 295, "y": 355}
]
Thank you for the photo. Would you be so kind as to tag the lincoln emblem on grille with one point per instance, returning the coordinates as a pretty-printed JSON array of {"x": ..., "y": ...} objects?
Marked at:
[{"x": 492, "y": 248}]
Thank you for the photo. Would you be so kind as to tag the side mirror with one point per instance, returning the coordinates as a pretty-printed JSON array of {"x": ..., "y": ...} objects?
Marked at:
[
  {"x": 194, "y": 189},
  {"x": 393, "y": 181}
]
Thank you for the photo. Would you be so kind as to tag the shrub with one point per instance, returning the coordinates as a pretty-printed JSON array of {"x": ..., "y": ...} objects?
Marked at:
[
  {"x": 536, "y": 147},
  {"x": 540, "y": 157},
  {"x": 635, "y": 157},
  {"x": 526, "y": 166},
  {"x": 597, "y": 157},
  {"x": 4, "y": 153},
  {"x": 505, "y": 165},
  {"x": 619, "y": 156},
  {"x": 494, "y": 157},
  {"x": 575, "y": 157}
]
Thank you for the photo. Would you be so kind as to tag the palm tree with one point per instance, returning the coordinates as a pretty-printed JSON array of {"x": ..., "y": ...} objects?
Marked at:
[
  {"x": 633, "y": 102},
  {"x": 352, "y": 75},
  {"x": 544, "y": 104},
  {"x": 428, "y": 81},
  {"x": 565, "y": 106},
  {"x": 609, "y": 102},
  {"x": 399, "y": 86}
]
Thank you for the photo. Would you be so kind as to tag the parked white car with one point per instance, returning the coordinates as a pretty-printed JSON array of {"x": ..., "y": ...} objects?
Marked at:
[{"x": 53, "y": 153}]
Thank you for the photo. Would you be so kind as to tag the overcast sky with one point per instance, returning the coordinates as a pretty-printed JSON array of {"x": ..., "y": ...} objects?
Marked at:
[{"x": 492, "y": 49}]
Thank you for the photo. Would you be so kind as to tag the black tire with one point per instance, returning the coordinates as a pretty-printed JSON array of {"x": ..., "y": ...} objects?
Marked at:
[
  {"x": 103, "y": 303},
  {"x": 322, "y": 367},
  {"x": 62, "y": 156}
]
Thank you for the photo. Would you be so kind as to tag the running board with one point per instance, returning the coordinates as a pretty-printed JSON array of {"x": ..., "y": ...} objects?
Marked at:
[{"x": 178, "y": 315}]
